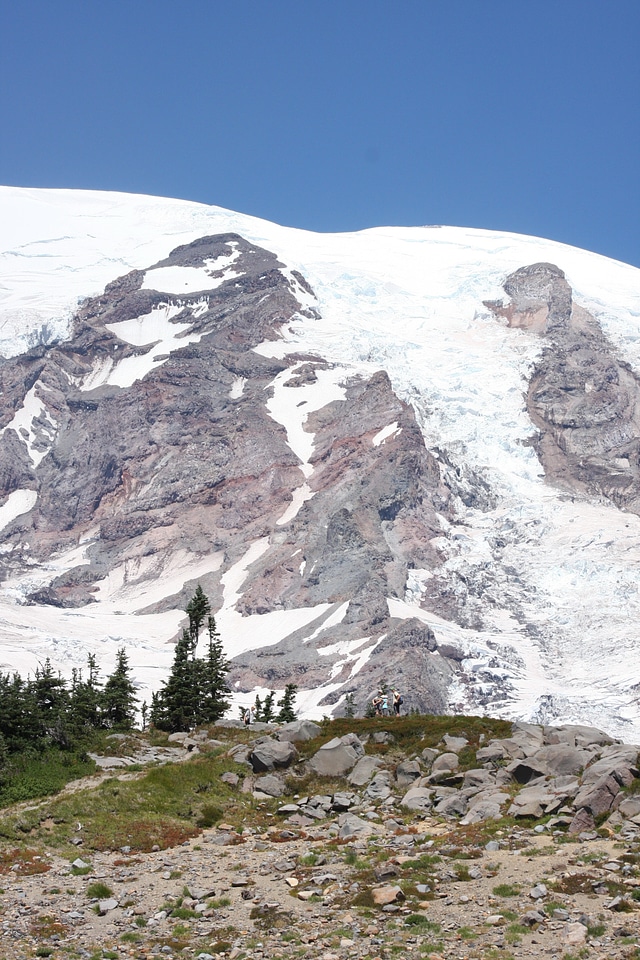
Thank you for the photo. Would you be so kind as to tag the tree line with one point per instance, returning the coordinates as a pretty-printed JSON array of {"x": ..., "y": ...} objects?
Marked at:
[{"x": 47, "y": 711}]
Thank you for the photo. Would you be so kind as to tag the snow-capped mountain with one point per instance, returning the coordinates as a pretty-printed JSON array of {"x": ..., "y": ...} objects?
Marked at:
[{"x": 408, "y": 454}]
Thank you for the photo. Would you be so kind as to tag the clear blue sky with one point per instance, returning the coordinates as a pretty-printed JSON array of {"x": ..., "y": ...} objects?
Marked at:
[{"x": 519, "y": 115}]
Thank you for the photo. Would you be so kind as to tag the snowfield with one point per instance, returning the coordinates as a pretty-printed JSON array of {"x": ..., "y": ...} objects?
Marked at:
[{"x": 409, "y": 300}]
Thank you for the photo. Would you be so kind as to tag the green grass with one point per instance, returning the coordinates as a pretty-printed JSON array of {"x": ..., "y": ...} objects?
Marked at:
[
  {"x": 506, "y": 890},
  {"x": 99, "y": 891},
  {"x": 29, "y": 777},
  {"x": 163, "y": 807},
  {"x": 419, "y": 920}
]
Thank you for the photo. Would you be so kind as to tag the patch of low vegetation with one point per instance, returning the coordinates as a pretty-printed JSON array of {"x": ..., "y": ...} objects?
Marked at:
[
  {"x": 159, "y": 808},
  {"x": 99, "y": 891},
  {"x": 22, "y": 862},
  {"x": 506, "y": 890}
]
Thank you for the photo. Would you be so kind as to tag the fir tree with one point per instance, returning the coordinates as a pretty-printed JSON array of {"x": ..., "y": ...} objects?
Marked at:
[
  {"x": 258, "y": 715},
  {"x": 86, "y": 698},
  {"x": 287, "y": 713},
  {"x": 198, "y": 609},
  {"x": 52, "y": 704},
  {"x": 214, "y": 692},
  {"x": 177, "y": 701},
  {"x": 196, "y": 690},
  {"x": 268, "y": 707},
  {"x": 119, "y": 699}
]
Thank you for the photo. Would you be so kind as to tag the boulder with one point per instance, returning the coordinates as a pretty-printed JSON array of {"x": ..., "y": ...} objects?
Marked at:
[
  {"x": 271, "y": 785},
  {"x": 299, "y": 731},
  {"x": 443, "y": 766},
  {"x": 598, "y": 797},
  {"x": 582, "y": 822},
  {"x": 478, "y": 778},
  {"x": 452, "y": 806},
  {"x": 533, "y": 802},
  {"x": 267, "y": 754},
  {"x": 337, "y": 757},
  {"x": 577, "y": 735},
  {"x": 380, "y": 786},
  {"x": 617, "y": 760},
  {"x": 385, "y": 895},
  {"x": 485, "y": 807},
  {"x": 495, "y": 750},
  {"x": 418, "y": 799},
  {"x": 407, "y": 771},
  {"x": 562, "y": 759},
  {"x": 351, "y": 826},
  {"x": 364, "y": 770}
]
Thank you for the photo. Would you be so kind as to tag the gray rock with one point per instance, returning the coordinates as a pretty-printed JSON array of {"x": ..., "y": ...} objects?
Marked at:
[
  {"x": 485, "y": 807},
  {"x": 418, "y": 799},
  {"x": 337, "y": 757},
  {"x": 299, "y": 731},
  {"x": 363, "y": 771},
  {"x": 351, "y": 826},
  {"x": 630, "y": 807},
  {"x": 478, "y": 778},
  {"x": 407, "y": 771},
  {"x": 577, "y": 735},
  {"x": 453, "y": 806},
  {"x": 267, "y": 754},
  {"x": 539, "y": 892},
  {"x": 598, "y": 796},
  {"x": 343, "y": 801},
  {"x": 583, "y": 821},
  {"x": 288, "y": 809},
  {"x": 380, "y": 786},
  {"x": 493, "y": 751},
  {"x": 231, "y": 778},
  {"x": 271, "y": 785},
  {"x": 105, "y": 906}
]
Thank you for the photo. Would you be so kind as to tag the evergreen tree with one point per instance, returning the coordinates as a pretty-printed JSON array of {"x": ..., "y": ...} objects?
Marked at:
[
  {"x": 86, "y": 698},
  {"x": 196, "y": 690},
  {"x": 52, "y": 705},
  {"x": 258, "y": 715},
  {"x": 20, "y": 723},
  {"x": 118, "y": 698},
  {"x": 287, "y": 713},
  {"x": 177, "y": 701},
  {"x": 268, "y": 707},
  {"x": 213, "y": 692},
  {"x": 198, "y": 609}
]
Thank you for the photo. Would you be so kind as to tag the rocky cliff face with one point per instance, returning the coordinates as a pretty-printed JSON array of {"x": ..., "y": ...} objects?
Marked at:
[
  {"x": 206, "y": 422},
  {"x": 149, "y": 451},
  {"x": 583, "y": 398}
]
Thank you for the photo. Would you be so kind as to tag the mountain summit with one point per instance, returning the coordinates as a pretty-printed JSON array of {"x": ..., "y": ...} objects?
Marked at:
[{"x": 406, "y": 455}]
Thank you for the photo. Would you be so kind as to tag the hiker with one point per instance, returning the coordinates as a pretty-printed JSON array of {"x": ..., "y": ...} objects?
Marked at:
[
  {"x": 397, "y": 703},
  {"x": 249, "y": 716},
  {"x": 376, "y": 703},
  {"x": 384, "y": 706}
]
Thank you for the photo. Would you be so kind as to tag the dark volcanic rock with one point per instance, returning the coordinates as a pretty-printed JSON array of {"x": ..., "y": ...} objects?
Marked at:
[{"x": 582, "y": 397}]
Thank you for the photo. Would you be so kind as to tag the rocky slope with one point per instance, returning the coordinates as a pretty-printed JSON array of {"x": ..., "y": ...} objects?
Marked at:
[
  {"x": 402, "y": 455},
  {"x": 466, "y": 848}
]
